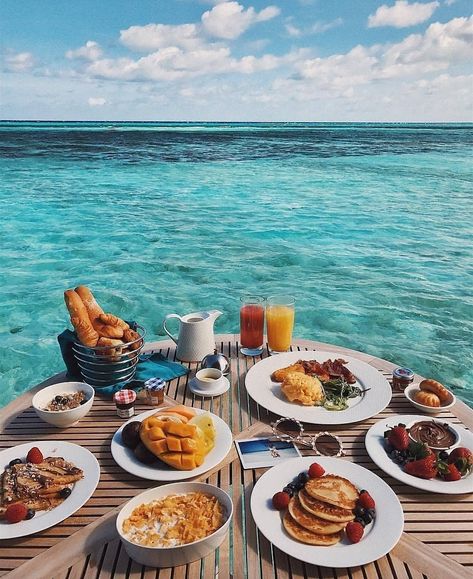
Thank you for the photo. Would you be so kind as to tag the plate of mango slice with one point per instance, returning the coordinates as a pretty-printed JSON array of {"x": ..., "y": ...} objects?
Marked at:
[{"x": 171, "y": 443}]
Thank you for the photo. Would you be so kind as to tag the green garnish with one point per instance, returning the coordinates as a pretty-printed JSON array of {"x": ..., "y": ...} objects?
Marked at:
[{"x": 338, "y": 392}]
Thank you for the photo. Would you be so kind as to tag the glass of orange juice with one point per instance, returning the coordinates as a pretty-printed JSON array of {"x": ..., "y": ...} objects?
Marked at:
[{"x": 279, "y": 322}]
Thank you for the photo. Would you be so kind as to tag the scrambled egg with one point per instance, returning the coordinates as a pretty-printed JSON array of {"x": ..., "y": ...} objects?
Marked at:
[{"x": 306, "y": 390}]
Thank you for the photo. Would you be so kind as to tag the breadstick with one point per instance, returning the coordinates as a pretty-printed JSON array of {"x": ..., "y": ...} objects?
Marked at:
[
  {"x": 111, "y": 320},
  {"x": 93, "y": 308}
]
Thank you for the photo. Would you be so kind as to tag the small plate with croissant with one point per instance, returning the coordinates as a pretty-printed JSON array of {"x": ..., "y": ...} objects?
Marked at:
[
  {"x": 172, "y": 443},
  {"x": 107, "y": 348},
  {"x": 430, "y": 396}
]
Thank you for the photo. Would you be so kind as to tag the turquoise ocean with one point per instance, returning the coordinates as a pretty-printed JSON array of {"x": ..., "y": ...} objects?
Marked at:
[{"x": 369, "y": 226}]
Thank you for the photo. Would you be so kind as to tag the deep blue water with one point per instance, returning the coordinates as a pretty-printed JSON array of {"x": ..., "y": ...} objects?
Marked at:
[{"x": 368, "y": 225}]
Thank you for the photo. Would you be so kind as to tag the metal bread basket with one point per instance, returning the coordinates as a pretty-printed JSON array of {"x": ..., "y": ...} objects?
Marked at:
[{"x": 104, "y": 366}]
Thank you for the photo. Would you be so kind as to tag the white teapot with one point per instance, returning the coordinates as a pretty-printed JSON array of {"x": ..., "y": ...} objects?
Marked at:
[{"x": 196, "y": 335}]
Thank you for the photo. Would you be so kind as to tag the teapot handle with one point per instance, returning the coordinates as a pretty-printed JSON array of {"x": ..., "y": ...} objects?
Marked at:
[{"x": 166, "y": 330}]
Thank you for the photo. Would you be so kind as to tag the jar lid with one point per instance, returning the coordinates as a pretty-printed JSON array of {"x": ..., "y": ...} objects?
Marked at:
[
  {"x": 403, "y": 373},
  {"x": 155, "y": 384},
  {"x": 124, "y": 396}
]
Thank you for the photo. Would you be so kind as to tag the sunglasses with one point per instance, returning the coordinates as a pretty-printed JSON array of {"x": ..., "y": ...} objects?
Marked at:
[{"x": 322, "y": 443}]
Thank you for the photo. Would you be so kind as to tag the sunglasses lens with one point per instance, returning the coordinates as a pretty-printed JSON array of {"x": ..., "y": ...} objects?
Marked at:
[
  {"x": 289, "y": 427},
  {"x": 328, "y": 445}
]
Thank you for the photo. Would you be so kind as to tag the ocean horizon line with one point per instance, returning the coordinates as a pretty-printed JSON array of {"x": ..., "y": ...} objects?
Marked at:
[{"x": 239, "y": 122}]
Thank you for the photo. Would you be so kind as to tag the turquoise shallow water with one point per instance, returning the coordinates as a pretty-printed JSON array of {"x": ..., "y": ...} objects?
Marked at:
[{"x": 369, "y": 226}]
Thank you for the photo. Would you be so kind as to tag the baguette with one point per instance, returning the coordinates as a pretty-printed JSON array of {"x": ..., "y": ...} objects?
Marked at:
[
  {"x": 87, "y": 297},
  {"x": 80, "y": 319}
]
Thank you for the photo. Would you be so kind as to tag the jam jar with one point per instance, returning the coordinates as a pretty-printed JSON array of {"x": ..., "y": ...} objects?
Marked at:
[
  {"x": 402, "y": 377},
  {"x": 125, "y": 403},
  {"x": 155, "y": 391}
]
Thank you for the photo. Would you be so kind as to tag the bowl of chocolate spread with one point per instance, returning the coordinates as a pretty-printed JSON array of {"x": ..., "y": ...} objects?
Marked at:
[{"x": 436, "y": 434}]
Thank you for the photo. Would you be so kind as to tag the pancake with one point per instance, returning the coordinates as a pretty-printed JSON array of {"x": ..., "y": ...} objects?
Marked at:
[
  {"x": 303, "y": 535},
  {"x": 310, "y": 521},
  {"x": 332, "y": 489},
  {"x": 324, "y": 510}
]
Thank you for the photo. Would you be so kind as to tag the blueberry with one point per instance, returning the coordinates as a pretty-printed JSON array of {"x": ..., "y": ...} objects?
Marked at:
[
  {"x": 394, "y": 454},
  {"x": 30, "y": 513},
  {"x": 65, "y": 492},
  {"x": 360, "y": 520},
  {"x": 302, "y": 478},
  {"x": 58, "y": 399},
  {"x": 372, "y": 512},
  {"x": 388, "y": 447},
  {"x": 299, "y": 486},
  {"x": 288, "y": 490},
  {"x": 443, "y": 455},
  {"x": 15, "y": 461},
  {"x": 367, "y": 518},
  {"x": 359, "y": 511},
  {"x": 291, "y": 486}
]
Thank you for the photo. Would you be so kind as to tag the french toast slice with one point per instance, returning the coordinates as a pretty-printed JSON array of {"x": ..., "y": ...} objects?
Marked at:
[
  {"x": 333, "y": 489},
  {"x": 303, "y": 535}
]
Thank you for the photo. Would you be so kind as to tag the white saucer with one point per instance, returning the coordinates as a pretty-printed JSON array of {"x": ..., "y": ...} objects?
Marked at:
[{"x": 193, "y": 387}]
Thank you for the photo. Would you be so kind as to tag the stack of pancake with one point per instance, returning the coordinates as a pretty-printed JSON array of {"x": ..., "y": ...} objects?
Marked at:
[{"x": 320, "y": 511}]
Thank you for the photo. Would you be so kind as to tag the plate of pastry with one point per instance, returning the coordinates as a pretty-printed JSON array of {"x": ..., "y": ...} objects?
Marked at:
[
  {"x": 43, "y": 483},
  {"x": 327, "y": 511},
  {"x": 172, "y": 443},
  {"x": 318, "y": 387}
]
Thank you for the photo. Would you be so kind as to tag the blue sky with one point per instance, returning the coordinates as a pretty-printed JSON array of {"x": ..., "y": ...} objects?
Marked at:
[{"x": 281, "y": 60}]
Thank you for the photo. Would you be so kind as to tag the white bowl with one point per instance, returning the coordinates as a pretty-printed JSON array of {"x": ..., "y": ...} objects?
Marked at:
[
  {"x": 410, "y": 392},
  {"x": 182, "y": 554},
  {"x": 62, "y": 418}
]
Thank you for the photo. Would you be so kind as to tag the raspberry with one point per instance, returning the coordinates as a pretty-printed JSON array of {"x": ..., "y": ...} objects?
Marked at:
[
  {"x": 354, "y": 531},
  {"x": 280, "y": 501},
  {"x": 315, "y": 470},
  {"x": 366, "y": 500},
  {"x": 34, "y": 455},
  {"x": 16, "y": 513}
]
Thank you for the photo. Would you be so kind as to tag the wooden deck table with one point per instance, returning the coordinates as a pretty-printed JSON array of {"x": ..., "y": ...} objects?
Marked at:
[{"x": 438, "y": 534}]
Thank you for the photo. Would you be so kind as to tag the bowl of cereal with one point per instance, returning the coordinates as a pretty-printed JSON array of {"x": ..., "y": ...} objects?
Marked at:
[
  {"x": 63, "y": 404},
  {"x": 174, "y": 524}
]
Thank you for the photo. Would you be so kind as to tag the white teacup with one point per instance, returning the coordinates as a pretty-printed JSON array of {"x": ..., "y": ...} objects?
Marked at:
[{"x": 209, "y": 379}]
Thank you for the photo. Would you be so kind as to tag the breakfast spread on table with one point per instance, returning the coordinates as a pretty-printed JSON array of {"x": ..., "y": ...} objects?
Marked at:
[
  {"x": 177, "y": 436},
  {"x": 416, "y": 451},
  {"x": 319, "y": 508},
  {"x": 36, "y": 484},
  {"x": 311, "y": 383},
  {"x": 174, "y": 520},
  {"x": 95, "y": 328}
]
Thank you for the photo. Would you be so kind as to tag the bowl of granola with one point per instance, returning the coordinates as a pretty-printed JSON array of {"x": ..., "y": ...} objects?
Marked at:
[
  {"x": 174, "y": 524},
  {"x": 63, "y": 404}
]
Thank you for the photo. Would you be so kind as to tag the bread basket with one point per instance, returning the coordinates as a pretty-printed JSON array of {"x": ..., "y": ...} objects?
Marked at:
[{"x": 104, "y": 366}]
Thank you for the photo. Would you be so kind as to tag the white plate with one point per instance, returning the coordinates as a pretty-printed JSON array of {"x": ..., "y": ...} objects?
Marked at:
[
  {"x": 81, "y": 492},
  {"x": 379, "y": 538},
  {"x": 194, "y": 388},
  {"x": 268, "y": 393},
  {"x": 374, "y": 442},
  {"x": 125, "y": 457}
]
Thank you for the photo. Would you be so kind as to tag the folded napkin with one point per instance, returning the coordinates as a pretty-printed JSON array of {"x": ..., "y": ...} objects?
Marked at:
[{"x": 149, "y": 366}]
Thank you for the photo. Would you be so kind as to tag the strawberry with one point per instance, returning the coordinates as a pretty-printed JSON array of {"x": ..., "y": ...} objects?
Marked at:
[
  {"x": 281, "y": 500},
  {"x": 16, "y": 513},
  {"x": 34, "y": 455},
  {"x": 354, "y": 531},
  {"x": 423, "y": 468},
  {"x": 366, "y": 500},
  {"x": 398, "y": 437},
  {"x": 316, "y": 470},
  {"x": 462, "y": 458},
  {"x": 450, "y": 472}
]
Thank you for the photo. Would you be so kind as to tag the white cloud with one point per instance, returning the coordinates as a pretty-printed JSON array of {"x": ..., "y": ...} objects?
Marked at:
[
  {"x": 402, "y": 14},
  {"x": 96, "y": 101},
  {"x": 320, "y": 27},
  {"x": 154, "y": 36},
  {"x": 90, "y": 51},
  {"x": 229, "y": 20},
  {"x": 19, "y": 62}
]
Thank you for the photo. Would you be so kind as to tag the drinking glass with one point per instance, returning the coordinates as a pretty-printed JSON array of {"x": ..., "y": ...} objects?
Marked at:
[
  {"x": 279, "y": 322},
  {"x": 251, "y": 325}
]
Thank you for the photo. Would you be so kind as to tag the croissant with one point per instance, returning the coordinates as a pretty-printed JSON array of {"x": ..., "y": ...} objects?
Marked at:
[
  {"x": 427, "y": 398},
  {"x": 435, "y": 387},
  {"x": 93, "y": 308},
  {"x": 112, "y": 320},
  {"x": 130, "y": 335},
  {"x": 106, "y": 331},
  {"x": 116, "y": 349},
  {"x": 85, "y": 332}
]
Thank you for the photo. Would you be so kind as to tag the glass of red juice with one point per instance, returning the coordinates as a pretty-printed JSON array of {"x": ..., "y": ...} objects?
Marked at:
[{"x": 251, "y": 325}]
